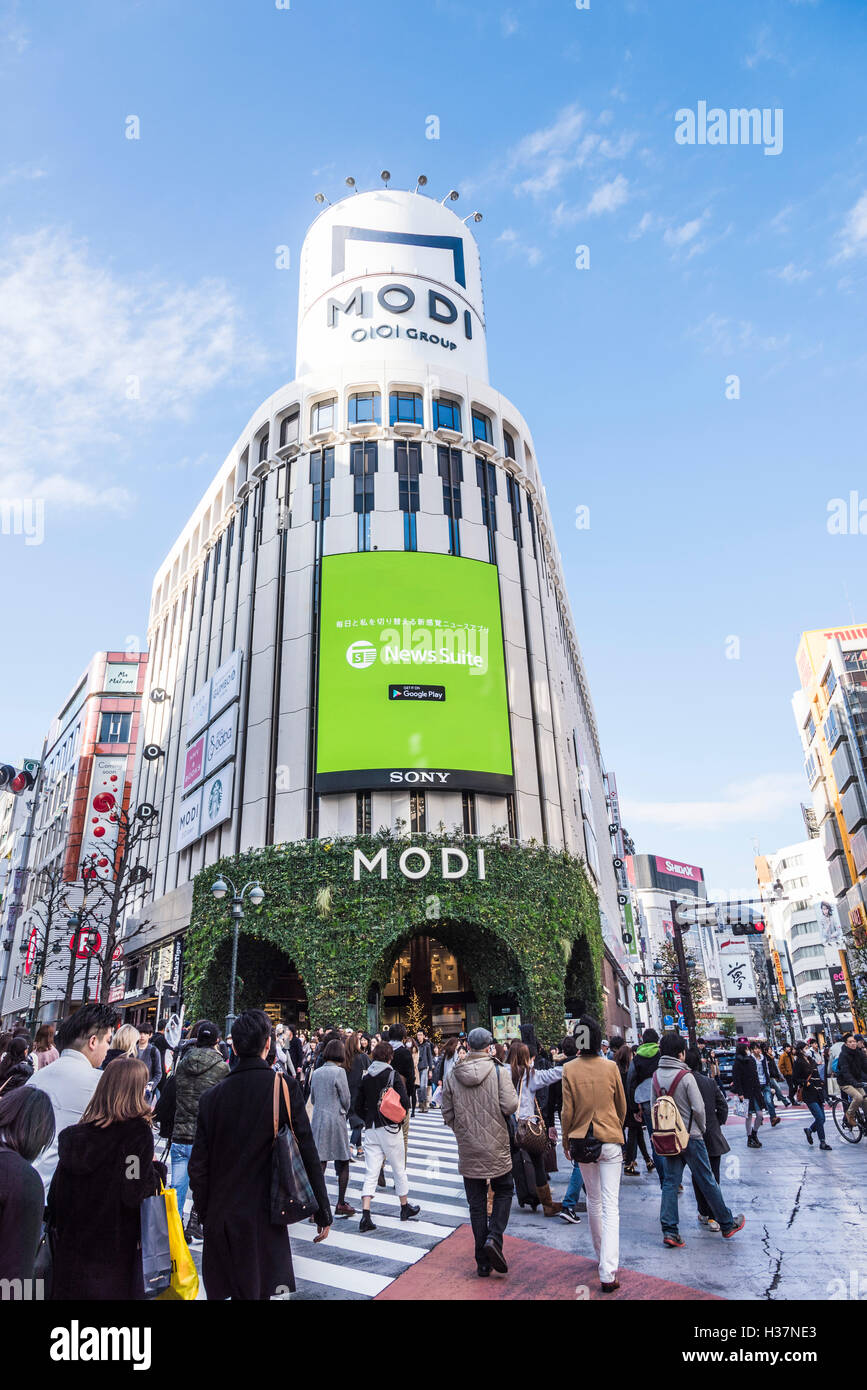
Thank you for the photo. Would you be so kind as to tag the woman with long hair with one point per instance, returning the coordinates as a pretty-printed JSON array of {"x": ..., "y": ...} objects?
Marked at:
[
  {"x": 806, "y": 1076},
  {"x": 527, "y": 1081},
  {"x": 105, "y": 1170},
  {"x": 26, "y": 1128},
  {"x": 123, "y": 1044},
  {"x": 44, "y": 1051},
  {"x": 356, "y": 1062},
  {"x": 16, "y": 1068},
  {"x": 329, "y": 1091}
]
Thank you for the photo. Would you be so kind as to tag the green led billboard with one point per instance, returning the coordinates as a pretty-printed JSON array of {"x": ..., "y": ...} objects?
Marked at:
[{"x": 412, "y": 681}]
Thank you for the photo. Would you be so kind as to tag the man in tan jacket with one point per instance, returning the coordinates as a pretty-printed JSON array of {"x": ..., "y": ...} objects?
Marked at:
[{"x": 477, "y": 1097}]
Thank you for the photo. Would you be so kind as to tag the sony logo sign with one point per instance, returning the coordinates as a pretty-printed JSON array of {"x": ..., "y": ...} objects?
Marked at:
[
  {"x": 447, "y": 856},
  {"x": 397, "y": 299},
  {"x": 413, "y": 776}
]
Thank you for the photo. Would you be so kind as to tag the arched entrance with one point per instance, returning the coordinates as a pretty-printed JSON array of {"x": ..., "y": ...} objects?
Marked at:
[
  {"x": 461, "y": 974},
  {"x": 266, "y": 979}
]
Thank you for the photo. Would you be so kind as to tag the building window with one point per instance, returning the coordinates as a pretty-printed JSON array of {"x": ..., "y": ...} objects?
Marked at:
[
  {"x": 263, "y": 447},
  {"x": 406, "y": 408},
  {"x": 362, "y": 813},
  {"x": 447, "y": 415},
  {"x": 364, "y": 408},
  {"x": 482, "y": 427},
  {"x": 486, "y": 477},
  {"x": 512, "y": 818},
  {"x": 289, "y": 429},
  {"x": 513, "y": 493},
  {"x": 451, "y": 470},
  {"x": 509, "y": 446},
  {"x": 321, "y": 474},
  {"x": 410, "y": 532},
  {"x": 363, "y": 465},
  {"x": 417, "y": 813},
  {"x": 114, "y": 728},
  {"x": 532, "y": 520},
  {"x": 468, "y": 800},
  {"x": 810, "y": 729},
  {"x": 322, "y": 415},
  {"x": 829, "y": 684}
]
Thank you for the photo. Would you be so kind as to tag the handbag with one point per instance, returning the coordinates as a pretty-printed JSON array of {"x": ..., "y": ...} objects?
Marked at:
[
  {"x": 43, "y": 1266},
  {"x": 550, "y": 1158},
  {"x": 184, "y": 1281},
  {"x": 156, "y": 1255},
  {"x": 292, "y": 1197},
  {"x": 389, "y": 1105},
  {"x": 587, "y": 1149},
  {"x": 532, "y": 1132}
]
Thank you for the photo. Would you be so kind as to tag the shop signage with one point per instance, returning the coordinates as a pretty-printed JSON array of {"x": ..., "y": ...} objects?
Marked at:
[
  {"x": 226, "y": 684},
  {"x": 199, "y": 711},
  {"x": 194, "y": 763},
  {"x": 678, "y": 870},
  {"x": 220, "y": 740},
  {"x": 188, "y": 820},
  {"x": 415, "y": 863},
  {"x": 217, "y": 799},
  {"x": 121, "y": 679}
]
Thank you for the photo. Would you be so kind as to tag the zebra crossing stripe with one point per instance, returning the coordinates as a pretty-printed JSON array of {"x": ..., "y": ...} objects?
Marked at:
[
  {"x": 344, "y": 1277},
  {"x": 339, "y": 1239}
]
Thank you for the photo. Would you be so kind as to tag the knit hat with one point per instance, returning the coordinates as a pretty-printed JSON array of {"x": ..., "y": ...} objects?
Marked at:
[{"x": 479, "y": 1039}]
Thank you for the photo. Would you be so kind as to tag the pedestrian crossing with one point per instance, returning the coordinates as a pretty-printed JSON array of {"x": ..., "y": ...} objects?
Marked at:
[{"x": 369, "y": 1263}]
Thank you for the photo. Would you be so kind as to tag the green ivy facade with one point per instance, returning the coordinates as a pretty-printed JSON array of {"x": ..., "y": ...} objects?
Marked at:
[{"x": 530, "y": 928}]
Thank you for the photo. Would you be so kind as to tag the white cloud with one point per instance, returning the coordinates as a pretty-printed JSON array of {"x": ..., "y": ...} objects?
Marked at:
[
  {"x": 88, "y": 357},
  {"x": 546, "y": 156},
  {"x": 648, "y": 221},
  {"x": 515, "y": 246},
  {"x": 509, "y": 24},
  {"x": 27, "y": 173},
  {"x": 609, "y": 196},
  {"x": 752, "y": 802},
  {"x": 679, "y": 236},
  {"x": 854, "y": 233},
  {"x": 791, "y": 273},
  {"x": 720, "y": 334}
]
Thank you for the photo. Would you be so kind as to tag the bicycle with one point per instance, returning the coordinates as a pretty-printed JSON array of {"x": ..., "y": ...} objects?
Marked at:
[{"x": 853, "y": 1134}]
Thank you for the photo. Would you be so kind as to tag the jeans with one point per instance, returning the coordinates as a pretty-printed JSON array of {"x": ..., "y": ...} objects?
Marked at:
[
  {"x": 700, "y": 1199},
  {"x": 180, "y": 1180},
  {"x": 422, "y": 1085},
  {"x": 634, "y": 1142},
  {"x": 696, "y": 1159},
  {"x": 573, "y": 1191},
  {"x": 768, "y": 1095},
  {"x": 355, "y": 1136},
  {"x": 602, "y": 1181},
  {"x": 818, "y": 1114},
  {"x": 486, "y": 1227}
]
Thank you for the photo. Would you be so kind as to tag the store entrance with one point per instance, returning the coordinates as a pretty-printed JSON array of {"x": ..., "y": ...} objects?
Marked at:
[
  {"x": 266, "y": 979},
  {"x": 431, "y": 970}
]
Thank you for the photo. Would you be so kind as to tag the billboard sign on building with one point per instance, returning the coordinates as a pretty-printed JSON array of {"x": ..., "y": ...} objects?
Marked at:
[
  {"x": 226, "y": 684},
  {"x": 738, "y": 979},
  {"x": 121, "y": 678},
  {"x": 199, "y": 711},
  {"x": 101, "y": 822},
  {"x": 674, "y": 868},
  {"x": 217, "y": 799},
  {"x": 194, "y": 763},
  {"x": 220, "y": 739},
  {"x": 188, "y": 820},
  {"x": 392, "y": 615}
]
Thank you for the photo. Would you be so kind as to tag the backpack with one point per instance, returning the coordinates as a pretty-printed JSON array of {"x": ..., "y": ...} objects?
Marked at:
[
  {"x": 834, "y": 1065},
  {"x": 389, "y": 1106},
  {"x": 670, "y": 1135}
]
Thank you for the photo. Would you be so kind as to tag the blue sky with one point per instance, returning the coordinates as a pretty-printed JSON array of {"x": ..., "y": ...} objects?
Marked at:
[{"x": 155, "y": 259}]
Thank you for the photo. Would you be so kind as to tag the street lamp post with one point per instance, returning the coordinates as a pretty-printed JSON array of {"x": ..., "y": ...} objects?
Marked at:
[{"x": 256, "y": 893}]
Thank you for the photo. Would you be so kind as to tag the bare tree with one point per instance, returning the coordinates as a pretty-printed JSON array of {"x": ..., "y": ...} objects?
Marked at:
[
  {"x": 47, "y": 918},
  {"x": 110, "y": 898}
]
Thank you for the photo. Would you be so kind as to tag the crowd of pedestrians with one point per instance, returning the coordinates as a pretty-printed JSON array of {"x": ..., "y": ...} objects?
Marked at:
[{"x": 97, "y": 1118}]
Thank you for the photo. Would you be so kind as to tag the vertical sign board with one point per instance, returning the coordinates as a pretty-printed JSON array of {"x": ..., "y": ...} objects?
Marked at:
[
  {"x": 225, "y": 684},
  {"x": 220, "y": 739},
  {"x": 199, "y": 711},
  {"x": 217, "y": 799},
  {"x": 188, "y": 820},
  {"x": 104, "y": 803},
  {"x": 194, "y": 764}
]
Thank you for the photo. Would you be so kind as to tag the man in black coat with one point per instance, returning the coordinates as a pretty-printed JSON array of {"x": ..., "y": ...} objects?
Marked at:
[
  {"x": 716, "y": 1112},
  {"x": 852, "y": 1076},
  {"x": 244, "y": 1256}
]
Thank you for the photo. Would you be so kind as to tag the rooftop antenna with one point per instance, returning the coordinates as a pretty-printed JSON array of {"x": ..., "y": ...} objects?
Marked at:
[
  {"x": 420, "y": 182},
  {"x": 385, "y": 176},
  {"x": 350, "y": 182},
  {"x": 321, "y": 198},
  {"x": 476, "y": 216},
  {"x": 451, "y": 197}
]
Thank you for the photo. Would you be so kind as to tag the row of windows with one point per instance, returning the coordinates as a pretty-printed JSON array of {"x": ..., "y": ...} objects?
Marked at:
[
  {"x": 805, "y": 952},
  {"x": 417, "y": 813},
  {"x": 803, "y": 928},
  {"x": 404, "y": 407},
  {"x": 804, "y": 977}
]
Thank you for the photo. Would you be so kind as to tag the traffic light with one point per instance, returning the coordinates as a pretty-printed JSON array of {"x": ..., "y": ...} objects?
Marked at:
[
  {"x": 15, "y": 781},
  {"x": 640, "y": 992},
  {"x": 669, "y": 1000},
  {"x": 747, "y": 928}
]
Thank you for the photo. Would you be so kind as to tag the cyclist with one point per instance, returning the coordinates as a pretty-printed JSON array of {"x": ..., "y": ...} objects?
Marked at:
[{"x": 852, "y": 1077}]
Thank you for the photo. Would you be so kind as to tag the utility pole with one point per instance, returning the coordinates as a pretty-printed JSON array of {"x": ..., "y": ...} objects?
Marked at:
[{"x": 685, "y": 991}]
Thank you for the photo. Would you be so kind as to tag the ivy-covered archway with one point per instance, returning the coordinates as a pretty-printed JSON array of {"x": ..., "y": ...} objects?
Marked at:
[{"x": 531, "y": 907}]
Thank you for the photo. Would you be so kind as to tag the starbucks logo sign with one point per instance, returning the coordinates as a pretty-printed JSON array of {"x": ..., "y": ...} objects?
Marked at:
[{"x": 215, "y": 800}]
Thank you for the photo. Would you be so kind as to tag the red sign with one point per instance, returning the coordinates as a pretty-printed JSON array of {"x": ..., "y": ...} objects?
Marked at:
[
  {"x": 85, "y": 943},
  {"x": 31, "y": 953},
  {"x": 678, "y": 870},
  {"x": 194, "y": 763}
]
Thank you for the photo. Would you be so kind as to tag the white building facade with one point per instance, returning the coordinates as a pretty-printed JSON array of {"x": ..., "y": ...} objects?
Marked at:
[{"x": 365, "y": 621}]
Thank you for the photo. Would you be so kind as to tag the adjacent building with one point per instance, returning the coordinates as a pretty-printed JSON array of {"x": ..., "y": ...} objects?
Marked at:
[
  {"x": 364, "y": 626},
  {"x": 86, "y": 772}
]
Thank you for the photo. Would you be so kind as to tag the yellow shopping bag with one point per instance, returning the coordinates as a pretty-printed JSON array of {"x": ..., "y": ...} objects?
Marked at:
[{"x": 185, "y": 1280}]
